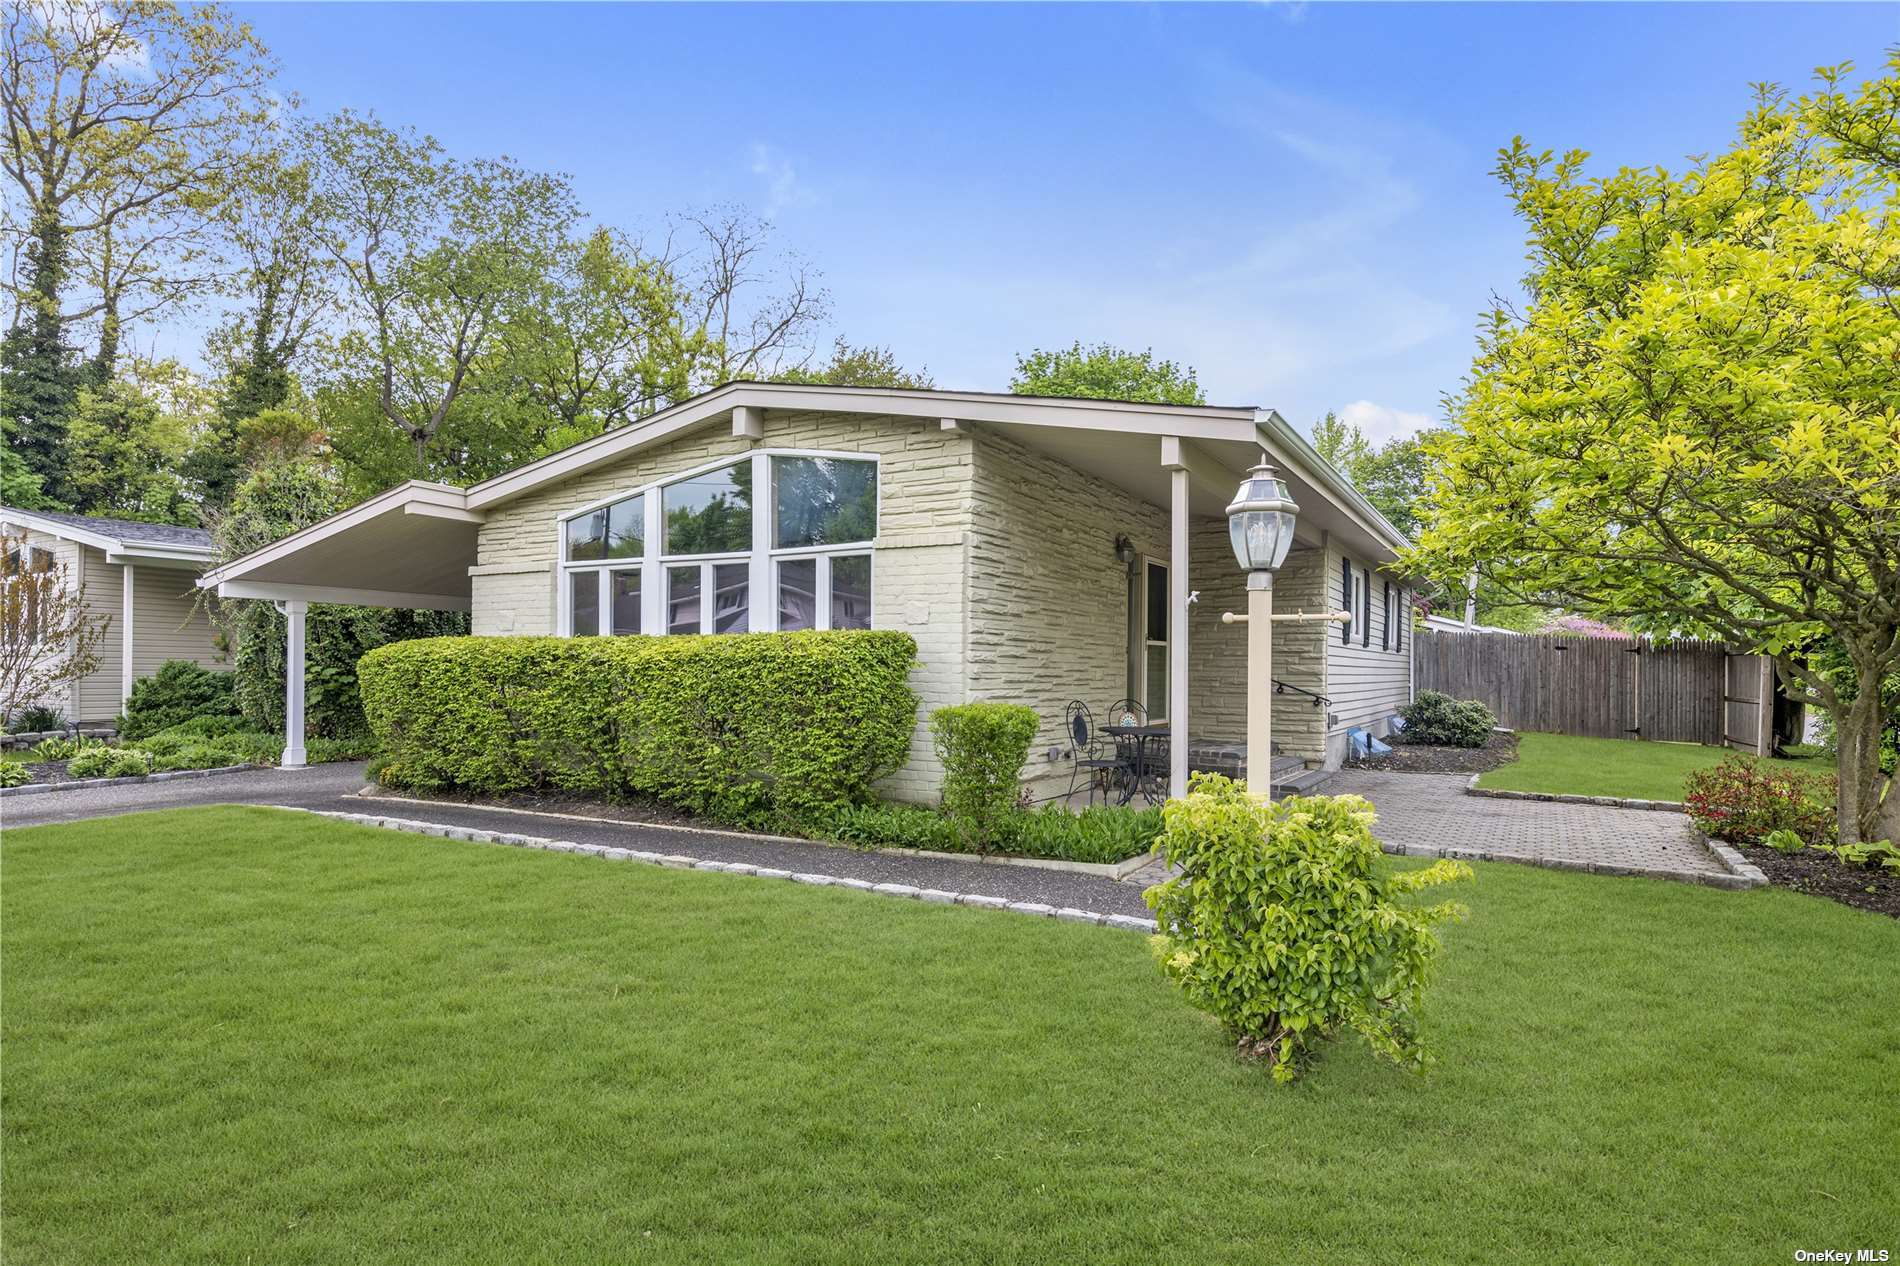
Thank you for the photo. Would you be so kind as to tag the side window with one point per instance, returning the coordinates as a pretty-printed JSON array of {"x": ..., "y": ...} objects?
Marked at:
[{"x": 1346, "y": 601}]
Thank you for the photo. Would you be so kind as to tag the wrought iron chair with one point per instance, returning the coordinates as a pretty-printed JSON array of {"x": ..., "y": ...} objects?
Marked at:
[
  {"x": 1145, "y": 762},
  {"x": 1101, "y": 771}
]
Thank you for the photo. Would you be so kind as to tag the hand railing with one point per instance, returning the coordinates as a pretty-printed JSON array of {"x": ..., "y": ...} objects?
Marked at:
[{"x": 1281, "y": 687}]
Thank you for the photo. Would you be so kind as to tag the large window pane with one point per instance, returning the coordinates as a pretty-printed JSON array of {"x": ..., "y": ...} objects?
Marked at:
[
  {"x": 709, "y": 513},
  {"x": 585, "y": 588},
  {"x": 626, "y": 528},
  {"x": 797, "y": 594},
  {"x": 823, "y": 501},
  {"x": 625, "y": 588},
  {"x": 851, "y": 592},
  {"x": 730, "y": 584},
  {"x": 1157, "y": 684},
  {"x": 586, "y": 537},
  {"x": 1157, "y": 603},
  {"x": 682, "y": 599}
]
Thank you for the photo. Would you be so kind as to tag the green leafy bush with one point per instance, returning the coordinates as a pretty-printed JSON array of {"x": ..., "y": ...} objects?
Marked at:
[
  {"x": 13, "y": 774},
  {"x": 36, "y": 719},
  {"x": 1745, "y": 801},
  {"x": 209, "y": 727},
  {"x": 982, "y": 747},
  {"x": 1438, "y": 718},
  {"x": 895, "y": 826},
  {"x": 109, "y": 762},
  {"x": 179, "y": 691},
  {"x": 757, "y": 729},
  {"x": 65, "y": 748},
  {"x": 1285, "y": 927}
]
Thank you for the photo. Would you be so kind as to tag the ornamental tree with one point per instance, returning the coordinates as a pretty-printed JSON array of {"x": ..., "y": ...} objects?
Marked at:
[
  {"x": 1693, "y": 424},
  {"x": 49, "y": 638}
]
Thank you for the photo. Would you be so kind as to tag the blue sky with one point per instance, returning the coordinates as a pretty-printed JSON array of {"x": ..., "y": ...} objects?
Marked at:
[{"x": 1295, "y": 200}]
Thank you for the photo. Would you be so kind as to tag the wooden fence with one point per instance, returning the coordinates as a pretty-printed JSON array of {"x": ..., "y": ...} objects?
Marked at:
[{"x": 1682, "y": 690}]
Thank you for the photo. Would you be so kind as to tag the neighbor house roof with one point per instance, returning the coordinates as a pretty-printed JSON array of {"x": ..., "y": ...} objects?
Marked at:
[
  {"x": 418, "y": 538},
  {"x": 120, "y": 538}
]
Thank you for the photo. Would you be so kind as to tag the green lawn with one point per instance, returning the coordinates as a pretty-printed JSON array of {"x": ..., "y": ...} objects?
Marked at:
[
  {"x": 1625, "y": 768},
  {"x": 245, "y": 1035}
]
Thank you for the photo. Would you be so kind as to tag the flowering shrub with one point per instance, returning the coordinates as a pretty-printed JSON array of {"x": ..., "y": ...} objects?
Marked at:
[
  {"x": 1284, "y": 926},
  {"x": 1745, "y": 801}
]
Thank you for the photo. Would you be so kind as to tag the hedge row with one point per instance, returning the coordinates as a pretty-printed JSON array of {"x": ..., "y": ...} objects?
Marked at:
[{"x": 750, "y": 729}]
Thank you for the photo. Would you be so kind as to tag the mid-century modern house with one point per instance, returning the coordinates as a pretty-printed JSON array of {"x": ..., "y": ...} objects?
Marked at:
[
  {"x": 141, "y": 579},
  {"x": 1040, "y": 550}
]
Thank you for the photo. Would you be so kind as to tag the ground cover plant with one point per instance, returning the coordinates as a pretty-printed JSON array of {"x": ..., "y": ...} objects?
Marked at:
[
  {"x": 1099, "y": 833},
  {"x": 1629, "y": 769},
  {"x": 564, "y": 1059}
]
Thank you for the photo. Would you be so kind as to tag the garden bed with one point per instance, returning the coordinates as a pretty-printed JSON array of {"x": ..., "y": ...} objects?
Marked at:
[
  {"x": 1819, "y": 874},
  {"x": 1433, "y": 758}
]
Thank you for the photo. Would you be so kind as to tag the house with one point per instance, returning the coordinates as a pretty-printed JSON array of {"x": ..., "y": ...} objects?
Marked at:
[
  {"x": 141, "y": 579},
  {"x": 1040, "y": 550}
]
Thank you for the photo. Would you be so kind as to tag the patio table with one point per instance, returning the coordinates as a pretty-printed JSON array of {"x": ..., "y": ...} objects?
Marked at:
[{"x": 1136, "y": 741}]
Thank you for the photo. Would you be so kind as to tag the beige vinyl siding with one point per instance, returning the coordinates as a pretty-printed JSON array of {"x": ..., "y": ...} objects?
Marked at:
[
  {"x": 96, "y": 697},
  {"x": 168, "y": 622},
  {"x": 66, "y": 558},
  {"x": 1367, "y": 680}
]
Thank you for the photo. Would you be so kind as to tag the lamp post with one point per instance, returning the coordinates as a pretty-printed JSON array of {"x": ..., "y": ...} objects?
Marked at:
[{"x": 1260, "y": 526}]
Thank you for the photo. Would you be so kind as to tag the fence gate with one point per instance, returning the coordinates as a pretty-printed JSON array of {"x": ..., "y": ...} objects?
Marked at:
[{"x": 1682, "y": 690}]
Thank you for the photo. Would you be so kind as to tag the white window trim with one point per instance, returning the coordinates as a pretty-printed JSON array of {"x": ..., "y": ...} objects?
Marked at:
[
  {"x": 652, "y": 564},
  {"x": 1145, "y": 642}
]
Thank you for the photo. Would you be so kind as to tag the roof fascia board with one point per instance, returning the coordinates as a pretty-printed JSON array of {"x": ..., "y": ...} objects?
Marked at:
[
  {"x": 1290, "y": 448},
  {"x": 116, "y": 549},
  {"x": 395, "y": 501},
  {"x": 64, "y": 531},
  {"x": 1188, "y": 422},
  {"x": 272, "y": 591}
]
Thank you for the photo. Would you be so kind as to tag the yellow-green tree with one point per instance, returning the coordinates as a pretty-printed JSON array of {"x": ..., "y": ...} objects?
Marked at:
[{"x": 1693, "y": 422}]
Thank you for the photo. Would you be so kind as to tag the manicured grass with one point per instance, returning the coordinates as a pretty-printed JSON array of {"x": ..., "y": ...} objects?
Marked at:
[
  {"x": 245, "y": 1035},
  {"x": 1626, "y": 768}
]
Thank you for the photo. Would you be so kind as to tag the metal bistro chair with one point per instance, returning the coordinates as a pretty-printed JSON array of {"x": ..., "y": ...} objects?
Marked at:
[
  {"x": 1145, "y": 760},
  {"x": 1102, "y": 772}
]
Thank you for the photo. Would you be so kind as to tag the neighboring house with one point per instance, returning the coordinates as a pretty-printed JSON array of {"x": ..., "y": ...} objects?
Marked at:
[
  {"x": 1445, "y": 624},
  {"x": 142, "y": 580},
  {"x": 1040, "y": 550}
]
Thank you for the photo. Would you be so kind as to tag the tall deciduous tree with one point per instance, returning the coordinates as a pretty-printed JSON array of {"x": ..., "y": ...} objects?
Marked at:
[
  {"x": 438, "y": 255},
  {"x": 120, "y": 120},
  {"x": 755, "y": 303},
  {"x": 1103, "y": 372},
  {"x": 866, "y": 366},
  {"x": 1695, "y": 420}
]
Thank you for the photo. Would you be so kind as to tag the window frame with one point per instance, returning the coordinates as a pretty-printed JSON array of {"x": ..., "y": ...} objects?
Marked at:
[
  {"x": 762, "y": 558},
  {"x": 1145, "y": 643}
]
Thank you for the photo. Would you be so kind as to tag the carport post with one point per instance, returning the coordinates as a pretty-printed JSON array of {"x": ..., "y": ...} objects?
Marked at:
[{"x": 294, "y": 613}]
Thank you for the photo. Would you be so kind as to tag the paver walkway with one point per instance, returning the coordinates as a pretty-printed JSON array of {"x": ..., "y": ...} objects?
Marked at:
[{"x": 1428, "y": 812}]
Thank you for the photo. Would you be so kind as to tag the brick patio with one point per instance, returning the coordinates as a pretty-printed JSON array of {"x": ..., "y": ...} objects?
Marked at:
[{"x": 1429, "y": 812}]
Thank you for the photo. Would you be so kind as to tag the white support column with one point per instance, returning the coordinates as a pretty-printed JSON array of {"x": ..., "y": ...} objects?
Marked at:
[
  {"x": 294, "y": 613},
  {"x": 1260, "y": 684},
  {"x": 1178, "y": 636},
  {"x": 126, "y": 675}
]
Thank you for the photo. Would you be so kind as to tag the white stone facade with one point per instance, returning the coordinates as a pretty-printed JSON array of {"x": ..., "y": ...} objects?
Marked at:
[{"x": 998, "y": 558}]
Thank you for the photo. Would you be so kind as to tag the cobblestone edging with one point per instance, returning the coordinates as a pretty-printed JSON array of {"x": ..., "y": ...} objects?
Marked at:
[
  {"x": 77, "y": 784},
  {"x": 1550, "y": 797},
  {"x": 1740, "y": 866},
  {"x": 1105, "y": 870},
  {"x": 675, "y": 861}
]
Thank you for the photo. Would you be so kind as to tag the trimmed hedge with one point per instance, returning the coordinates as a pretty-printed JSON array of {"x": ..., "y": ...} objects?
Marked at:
[
  {"x": 752, "y": 729},
  {"x": 982, "y": 747}
]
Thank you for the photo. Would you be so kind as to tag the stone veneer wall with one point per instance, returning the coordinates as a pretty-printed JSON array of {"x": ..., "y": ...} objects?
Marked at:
[{"x": 924, "y": 511}]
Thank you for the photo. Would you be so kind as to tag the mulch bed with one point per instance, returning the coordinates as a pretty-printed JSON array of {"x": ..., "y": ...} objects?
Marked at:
[
  {"x": 49, "y": 771},
  {"x": 642, "y": 812},
  {"x": 1820, "y": 875},
  {"x": 1428, "y": 758}
]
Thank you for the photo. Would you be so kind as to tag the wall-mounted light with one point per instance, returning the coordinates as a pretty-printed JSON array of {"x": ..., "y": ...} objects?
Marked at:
[{"x": 1124, "y": 551}]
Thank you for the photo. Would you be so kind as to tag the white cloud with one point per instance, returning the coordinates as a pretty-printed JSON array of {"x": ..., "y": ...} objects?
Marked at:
[
  {"x": 1379, "y": 423},
  {"x": 782, "y": 186}
]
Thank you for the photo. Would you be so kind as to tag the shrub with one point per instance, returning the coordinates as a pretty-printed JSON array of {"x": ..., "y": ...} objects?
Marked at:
[
  {"x": 982, "y": 747},
  {"x": 36, "y": 719},
  {"x": 1744, "y": 801},
  {"x": 1439, "y": 718},
  {"x": 323, "y": 751},
  {"x": 179, "y": 691},
  {"x": 208, "y": 727},
  {"x": 65, "y": 748},
  {"x": 13, "y": 774},
  {"x": 1284, "y": 926},
  {"x": 754, "y": 729},
  {"x": 109, "y": 762}
]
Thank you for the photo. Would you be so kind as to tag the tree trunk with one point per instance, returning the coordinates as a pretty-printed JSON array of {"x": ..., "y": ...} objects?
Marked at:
[{"x": 1857, "y": 729}]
